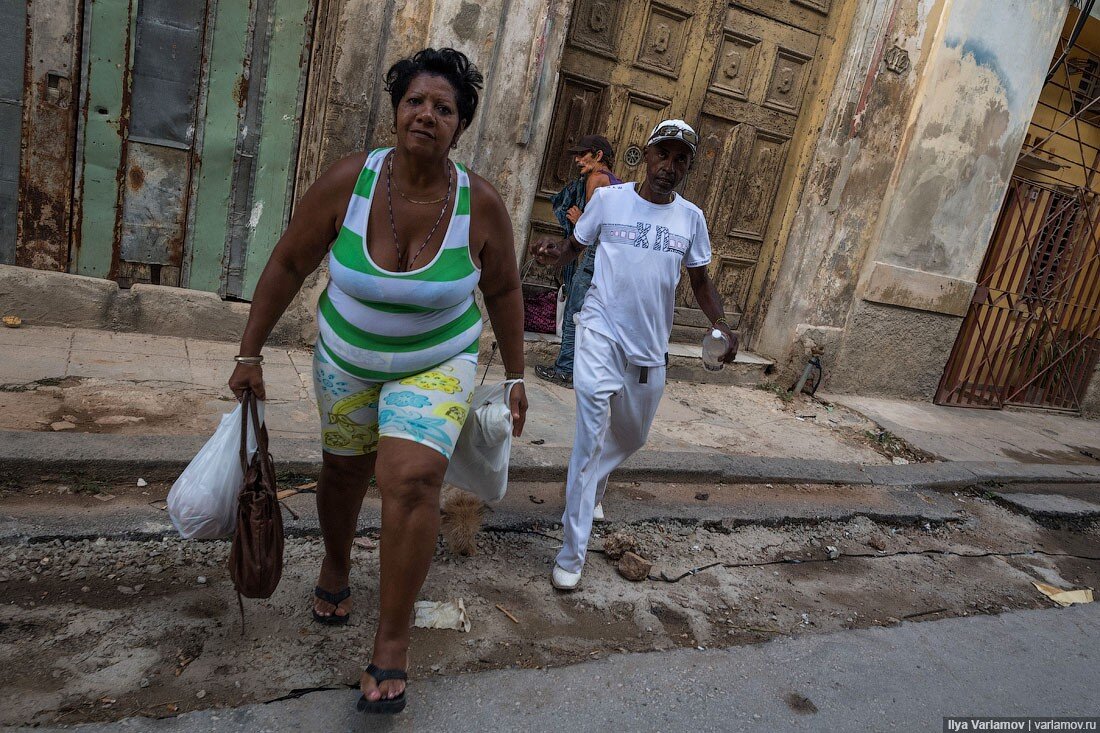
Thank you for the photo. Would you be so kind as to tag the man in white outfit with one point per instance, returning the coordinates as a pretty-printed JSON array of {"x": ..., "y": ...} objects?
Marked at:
[{"x": 644, "y": 232}]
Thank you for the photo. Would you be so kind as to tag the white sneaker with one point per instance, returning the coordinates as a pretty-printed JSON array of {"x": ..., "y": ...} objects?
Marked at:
[
  {"x": 597, "y": 513},
  {"x": 562, "y": 579}
]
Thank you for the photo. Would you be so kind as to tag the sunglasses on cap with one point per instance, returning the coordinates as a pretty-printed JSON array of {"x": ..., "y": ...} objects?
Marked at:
[{"x": 668, "y": 131}]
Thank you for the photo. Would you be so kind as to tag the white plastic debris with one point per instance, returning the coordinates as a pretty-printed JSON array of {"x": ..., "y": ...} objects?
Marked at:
[
  {"x": 899, "y": 461},
  {"x": 442, "y": 615},
  {"x": 142, "y": 483},
  {"x": 833, "y": 551}
]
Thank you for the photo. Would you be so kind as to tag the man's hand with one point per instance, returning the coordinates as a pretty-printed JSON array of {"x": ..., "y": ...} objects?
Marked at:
[
  {"x": 734, "y": 339},
  {"x": 574, "y": 214},
  {"x": 548, "y": 251}
]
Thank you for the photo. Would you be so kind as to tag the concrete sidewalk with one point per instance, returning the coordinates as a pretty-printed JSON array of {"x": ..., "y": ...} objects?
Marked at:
[
  {"x": 900, "y": 678},
  {"x": 138, "y": 386}
]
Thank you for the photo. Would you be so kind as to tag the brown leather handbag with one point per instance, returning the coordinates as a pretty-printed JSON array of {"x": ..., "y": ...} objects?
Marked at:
[{"x": 256, "y": 558}]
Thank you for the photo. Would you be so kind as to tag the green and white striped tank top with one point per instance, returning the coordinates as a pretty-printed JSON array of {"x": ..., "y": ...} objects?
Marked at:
[{"x": 379, "y": 325}]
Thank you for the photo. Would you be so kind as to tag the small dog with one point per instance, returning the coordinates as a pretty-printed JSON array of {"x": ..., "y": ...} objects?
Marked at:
[{"x": 462, "y": 517}]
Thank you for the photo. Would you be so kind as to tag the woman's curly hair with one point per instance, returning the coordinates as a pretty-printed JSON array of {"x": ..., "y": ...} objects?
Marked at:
[{"x": 452, "y": 65}]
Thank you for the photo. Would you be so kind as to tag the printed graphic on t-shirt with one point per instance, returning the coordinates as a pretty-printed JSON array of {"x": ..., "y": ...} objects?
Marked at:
[{"x": 637, "y": 235}]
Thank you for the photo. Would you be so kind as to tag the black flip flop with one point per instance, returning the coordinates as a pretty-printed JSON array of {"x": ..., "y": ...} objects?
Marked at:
[
  {"x": 335, "y": 599},
  {"x": 384, "y": 706}
]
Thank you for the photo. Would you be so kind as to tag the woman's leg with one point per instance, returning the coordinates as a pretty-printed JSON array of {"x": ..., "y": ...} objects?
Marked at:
[
  {"x": 344, "y": 482},
  {"x": 409, "y": 476}
]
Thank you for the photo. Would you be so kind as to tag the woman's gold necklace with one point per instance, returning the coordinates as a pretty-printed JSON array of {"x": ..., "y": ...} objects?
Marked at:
[
  {"x": 402, "y": 264},
  {"x": 424, "y": 203}
]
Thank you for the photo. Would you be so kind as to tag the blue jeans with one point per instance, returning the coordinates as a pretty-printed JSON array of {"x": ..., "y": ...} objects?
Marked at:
[{"x": 576, "y": 286}]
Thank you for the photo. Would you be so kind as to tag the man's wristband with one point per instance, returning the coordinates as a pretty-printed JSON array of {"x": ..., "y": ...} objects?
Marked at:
[
  {"x": 250, "y": 360},
  {"x": 513, "y": 375}
]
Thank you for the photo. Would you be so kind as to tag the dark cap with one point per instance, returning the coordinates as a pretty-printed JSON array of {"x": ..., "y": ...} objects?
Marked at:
[{"x": 592, "y": 143}]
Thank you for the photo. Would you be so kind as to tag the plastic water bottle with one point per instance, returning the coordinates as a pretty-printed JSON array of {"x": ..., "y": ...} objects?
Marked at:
[{"x": 715, "y": 346}]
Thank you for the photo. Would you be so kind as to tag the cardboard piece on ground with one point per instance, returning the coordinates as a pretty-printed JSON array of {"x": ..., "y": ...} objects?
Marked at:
[
  {"x": 442, "y": 615},
  {"x": 1064, "y": 597}
]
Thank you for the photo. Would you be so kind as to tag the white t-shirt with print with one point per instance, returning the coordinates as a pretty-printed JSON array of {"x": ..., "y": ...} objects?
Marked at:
[{"x": 641, "y": 248}]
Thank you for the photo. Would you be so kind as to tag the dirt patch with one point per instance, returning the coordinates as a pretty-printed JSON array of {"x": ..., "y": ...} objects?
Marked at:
[
  {"x": 106, "y": 406},
  {"x": 122, "y": 628}
]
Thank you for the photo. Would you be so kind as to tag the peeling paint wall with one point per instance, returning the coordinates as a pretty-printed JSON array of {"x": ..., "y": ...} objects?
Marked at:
[{"x": 906, "y": 185}]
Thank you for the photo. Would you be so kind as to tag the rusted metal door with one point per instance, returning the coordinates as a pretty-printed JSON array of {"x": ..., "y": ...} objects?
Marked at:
[
  {"x": 738, "y": 71},
  {"x": 143, "y": 74},
  {"x": 182, "y": 98},
  {"x": 1032, "y": 334},
  {"x": 13, "y": 21},
  {"x": 49, "y": 77}
]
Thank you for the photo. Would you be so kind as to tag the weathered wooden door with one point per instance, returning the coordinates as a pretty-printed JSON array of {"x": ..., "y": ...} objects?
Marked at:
[
  {"x": 191, "y": 109},
  {"x": 626, "y": 66},
  {"x": 738, "y": 71},
  {"x": 758, "y": 69}
]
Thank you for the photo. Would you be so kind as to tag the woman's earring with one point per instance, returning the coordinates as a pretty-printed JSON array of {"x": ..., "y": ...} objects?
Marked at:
[{"x": 393, "y": 129}]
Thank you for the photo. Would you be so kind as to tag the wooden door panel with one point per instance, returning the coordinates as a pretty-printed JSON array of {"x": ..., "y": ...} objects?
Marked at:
[
  {"x": 809, "y": 15},
  {"x": 752, "y": 200},
  {"x": 664, "y": 40},
  {"x": 597, "y": 27},
  {"x": 640, "y": 114},
  {"x": 578, "y": 111}
]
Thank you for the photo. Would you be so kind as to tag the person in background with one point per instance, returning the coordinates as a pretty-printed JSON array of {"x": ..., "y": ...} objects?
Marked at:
[
  {"x": 409, "y": 235},
  {"x": 594, "y": 158},
  {"x": 646, "y": 232}
]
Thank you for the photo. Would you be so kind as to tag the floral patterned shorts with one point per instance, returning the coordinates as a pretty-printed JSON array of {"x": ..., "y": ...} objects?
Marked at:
[{"x": 427, "y": 408}]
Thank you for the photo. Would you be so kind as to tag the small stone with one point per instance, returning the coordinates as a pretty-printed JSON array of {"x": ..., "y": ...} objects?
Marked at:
[
  {"x": 616, "y": 544},
  {"x": 201, "y": 580},
  {"x": 64, "y": 490},
  {"x": 70, "y": 418},
  {"x": 702, "y": 496},
  {"x": 101, "y": 542},
  {"x": 634, "y": 567},
  {"x": 144, "y": 682},
  {"x": 832, "y": 551},
  {"x": 877, "y": 543},
  {"x": 84, "y": 589},
  {"x": 62, "y": 425},
  {"x": 142, "y": 483},
  {"x": 126, "y": 590},
  {"x": 899, "y": 461},
  {"x": 200, "y": 694}
]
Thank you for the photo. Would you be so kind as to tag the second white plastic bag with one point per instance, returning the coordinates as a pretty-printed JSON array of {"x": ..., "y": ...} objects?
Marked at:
[
  {"x": 480, "y": 461},
  {"x": 203, "y": 501}
]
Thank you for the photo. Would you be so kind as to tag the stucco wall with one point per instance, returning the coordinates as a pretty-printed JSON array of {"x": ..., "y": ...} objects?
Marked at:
[{"x": 906, "y": 185}]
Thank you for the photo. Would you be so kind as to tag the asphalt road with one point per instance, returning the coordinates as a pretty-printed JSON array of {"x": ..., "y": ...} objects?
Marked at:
[{"x": 901, "y": 678}]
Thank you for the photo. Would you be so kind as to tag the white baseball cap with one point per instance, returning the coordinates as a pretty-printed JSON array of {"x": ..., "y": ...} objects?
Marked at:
[{"x": 674, "y": 130}]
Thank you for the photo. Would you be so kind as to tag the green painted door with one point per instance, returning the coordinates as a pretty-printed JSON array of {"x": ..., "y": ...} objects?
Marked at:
[{"x": 190, "y": 137}]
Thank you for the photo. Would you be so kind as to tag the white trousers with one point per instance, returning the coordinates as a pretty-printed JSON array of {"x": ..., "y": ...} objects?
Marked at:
[{"x": 615, "y": 410}]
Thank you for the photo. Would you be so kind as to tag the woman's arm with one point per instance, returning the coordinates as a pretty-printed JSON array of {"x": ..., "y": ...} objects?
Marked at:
[
  {"x": 500, "y": 286},
  {"x": 317, "y": 219}
]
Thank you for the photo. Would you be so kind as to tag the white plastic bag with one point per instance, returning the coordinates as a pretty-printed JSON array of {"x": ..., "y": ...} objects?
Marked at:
[
  {"x": 480, "y": 460},
  {"x": 559, "y": 314},
  {"x": 203, "y": 501}
]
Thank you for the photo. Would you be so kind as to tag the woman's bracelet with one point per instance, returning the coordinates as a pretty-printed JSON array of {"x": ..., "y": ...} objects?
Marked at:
[
  {"x": 513, "y": 375},
  {"x": 250, "y": 360},
  {"x": 724, "y": 322}
]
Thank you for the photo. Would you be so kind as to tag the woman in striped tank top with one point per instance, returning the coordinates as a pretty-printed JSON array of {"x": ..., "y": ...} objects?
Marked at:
[{"x": 409, "y": 235}]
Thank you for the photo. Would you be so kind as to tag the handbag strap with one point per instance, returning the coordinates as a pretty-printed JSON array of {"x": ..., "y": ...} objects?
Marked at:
[
  {"x": 251, "y": 412},
  {"x": 246, "y": 400}
]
